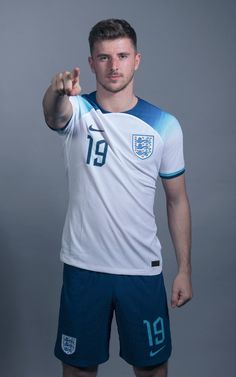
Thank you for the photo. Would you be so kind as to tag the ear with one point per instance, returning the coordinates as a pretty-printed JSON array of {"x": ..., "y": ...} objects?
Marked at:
[
  {"x": 137, "y": 61},
  {"x": 90, "y": 60}
]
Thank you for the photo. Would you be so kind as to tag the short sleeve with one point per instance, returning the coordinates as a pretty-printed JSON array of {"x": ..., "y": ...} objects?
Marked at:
[
  {"x": 172, "y": 162},
  {"x": 75, "y": 102}
]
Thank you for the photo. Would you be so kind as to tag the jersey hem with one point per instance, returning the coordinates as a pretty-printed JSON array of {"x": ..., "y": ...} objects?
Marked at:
[{"x": 110, "y": 270}]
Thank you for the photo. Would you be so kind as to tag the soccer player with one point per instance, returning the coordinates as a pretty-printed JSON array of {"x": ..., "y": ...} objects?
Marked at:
[{"x": 116, "y": 145}]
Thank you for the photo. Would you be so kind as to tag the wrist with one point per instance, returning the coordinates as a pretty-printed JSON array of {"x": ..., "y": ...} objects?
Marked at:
[{"x": 185, "y": 270}]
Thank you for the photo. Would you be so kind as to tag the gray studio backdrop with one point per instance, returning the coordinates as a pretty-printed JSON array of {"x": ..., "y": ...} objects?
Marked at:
[{"x": 188, "y": 50}]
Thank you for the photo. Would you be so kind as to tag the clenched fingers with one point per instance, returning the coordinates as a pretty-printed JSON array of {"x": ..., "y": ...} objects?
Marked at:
[
  {"x": 179, "y": 298},
  {"x": 67, "y": 83},
  {"x": 181, "y": 290}
]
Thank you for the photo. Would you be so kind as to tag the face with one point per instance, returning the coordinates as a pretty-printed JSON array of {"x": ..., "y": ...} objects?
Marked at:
[{"x": 114, "y": 63}]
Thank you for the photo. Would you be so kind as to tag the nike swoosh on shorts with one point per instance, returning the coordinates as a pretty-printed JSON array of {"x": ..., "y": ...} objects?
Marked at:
[{"x": 156, "y": 352}]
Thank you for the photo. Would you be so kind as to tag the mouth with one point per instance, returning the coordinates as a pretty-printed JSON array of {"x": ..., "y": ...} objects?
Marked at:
[{"x": 114, "y": 76}]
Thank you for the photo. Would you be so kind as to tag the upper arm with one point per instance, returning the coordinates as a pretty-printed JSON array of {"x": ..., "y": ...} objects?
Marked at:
[
  {"x": 175, "y": 189},
  {"x": 172, "y": 161}
]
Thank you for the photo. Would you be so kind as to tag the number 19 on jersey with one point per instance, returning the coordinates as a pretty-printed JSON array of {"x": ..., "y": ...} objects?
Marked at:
[{"x": 98, "y": 157}]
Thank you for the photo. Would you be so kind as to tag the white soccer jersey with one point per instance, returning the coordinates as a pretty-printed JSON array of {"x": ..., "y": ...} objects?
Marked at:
[{"x": 113, "y": 161}]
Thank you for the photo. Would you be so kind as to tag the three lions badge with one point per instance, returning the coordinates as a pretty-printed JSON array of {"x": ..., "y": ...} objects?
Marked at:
[
  {"x": 68, "y": 344},
  {"x": 142, "y": 145}
]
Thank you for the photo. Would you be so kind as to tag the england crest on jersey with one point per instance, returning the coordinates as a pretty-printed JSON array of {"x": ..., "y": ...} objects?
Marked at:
[
  {"x": 68, "y": 344},
  {"x": 143, "y": 145}
]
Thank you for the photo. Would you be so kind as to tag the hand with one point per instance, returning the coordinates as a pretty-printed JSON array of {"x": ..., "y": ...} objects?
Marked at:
[
  {"x": 67, "y": 83},
  {"x": 181, "y": 290}
]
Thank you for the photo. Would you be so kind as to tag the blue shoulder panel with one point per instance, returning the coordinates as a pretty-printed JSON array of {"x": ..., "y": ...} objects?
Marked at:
[
  {"x": 153, "y": 116},
  {"x": 147, "y": 112},
  {"x": 91, "y": 99},
  {"x": 150, "y": 114},
  {"x": 85, "y": 105}
]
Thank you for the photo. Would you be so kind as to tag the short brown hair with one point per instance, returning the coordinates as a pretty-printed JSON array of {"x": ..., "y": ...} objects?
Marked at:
[{"x": 111, "y": 29}]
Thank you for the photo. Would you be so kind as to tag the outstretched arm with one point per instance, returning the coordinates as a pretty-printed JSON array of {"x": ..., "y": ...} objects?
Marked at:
[
  {"x": 56, "y": 105},
  {"x": 179, "y": 221}
]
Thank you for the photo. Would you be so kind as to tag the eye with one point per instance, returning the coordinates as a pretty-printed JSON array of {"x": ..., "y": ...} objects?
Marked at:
[
  {"x": 103, "y": 58},
  {"x": 123, "y": 56}
]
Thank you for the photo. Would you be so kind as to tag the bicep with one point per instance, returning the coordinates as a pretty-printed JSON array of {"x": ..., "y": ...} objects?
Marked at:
[{"x": 175, "y": 188}]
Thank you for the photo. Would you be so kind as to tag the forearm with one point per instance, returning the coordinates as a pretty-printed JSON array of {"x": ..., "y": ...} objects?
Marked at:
[
  {"x": 57, "y": 108},
  {"x": 179, "y": 220}
]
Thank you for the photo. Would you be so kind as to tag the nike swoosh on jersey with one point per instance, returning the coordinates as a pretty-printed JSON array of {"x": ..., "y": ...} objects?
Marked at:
[
  {"x": 156, "y": 352},
  {"x": 95, "y": 129}
]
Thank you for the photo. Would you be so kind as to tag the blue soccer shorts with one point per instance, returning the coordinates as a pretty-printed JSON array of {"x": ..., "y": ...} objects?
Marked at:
[{"x": 88, "y": 301}]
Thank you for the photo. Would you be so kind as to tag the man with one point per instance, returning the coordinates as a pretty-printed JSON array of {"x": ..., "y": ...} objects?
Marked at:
[{"x": 116, "y": 145}]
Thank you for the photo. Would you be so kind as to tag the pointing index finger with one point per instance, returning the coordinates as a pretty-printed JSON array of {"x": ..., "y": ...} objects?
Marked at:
[{"x": 76, "y": 73}]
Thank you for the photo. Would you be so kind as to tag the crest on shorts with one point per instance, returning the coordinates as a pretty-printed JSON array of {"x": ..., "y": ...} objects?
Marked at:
[
  {"x": 143, "y": 145},
  {"x": 68, "y": 344}
]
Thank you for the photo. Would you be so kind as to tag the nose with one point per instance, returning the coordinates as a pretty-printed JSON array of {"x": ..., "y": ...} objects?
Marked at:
[{"x": 114, "y": 64}]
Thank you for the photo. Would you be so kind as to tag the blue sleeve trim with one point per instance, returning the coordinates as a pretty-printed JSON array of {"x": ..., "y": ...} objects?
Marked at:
[
  {"x": 172, "y": 175},
  {"x": 60, "y": 130}
]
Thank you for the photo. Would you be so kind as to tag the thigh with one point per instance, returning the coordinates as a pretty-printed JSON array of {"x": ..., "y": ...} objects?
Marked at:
[
  {"x": 155, "y": 371},
  {"x": 85, "y": 318},
  {"x": 70, "y": 371},
  {"x": 143, "y": 320}
]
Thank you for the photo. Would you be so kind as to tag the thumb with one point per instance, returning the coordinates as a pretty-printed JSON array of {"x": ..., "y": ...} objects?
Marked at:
[{"x": 174, "y": 298}]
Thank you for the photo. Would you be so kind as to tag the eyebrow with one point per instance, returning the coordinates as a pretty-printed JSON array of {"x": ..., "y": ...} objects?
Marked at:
[
  {"x": 99, "y": 55},
  {"x": 119, "y": 53}
]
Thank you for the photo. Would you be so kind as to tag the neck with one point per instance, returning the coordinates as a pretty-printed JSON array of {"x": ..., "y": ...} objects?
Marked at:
[{"x": 116, "y": 102}]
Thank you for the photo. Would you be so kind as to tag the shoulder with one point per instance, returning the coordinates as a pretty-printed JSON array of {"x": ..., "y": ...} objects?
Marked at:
[
  {"x": 90, "y": 98},
  {"x": 82, "y": 104},
  {"x": 161, "y": 120}
]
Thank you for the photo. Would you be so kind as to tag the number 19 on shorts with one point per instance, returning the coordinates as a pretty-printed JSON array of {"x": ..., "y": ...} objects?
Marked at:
[{"x": 155, "y": 331}]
